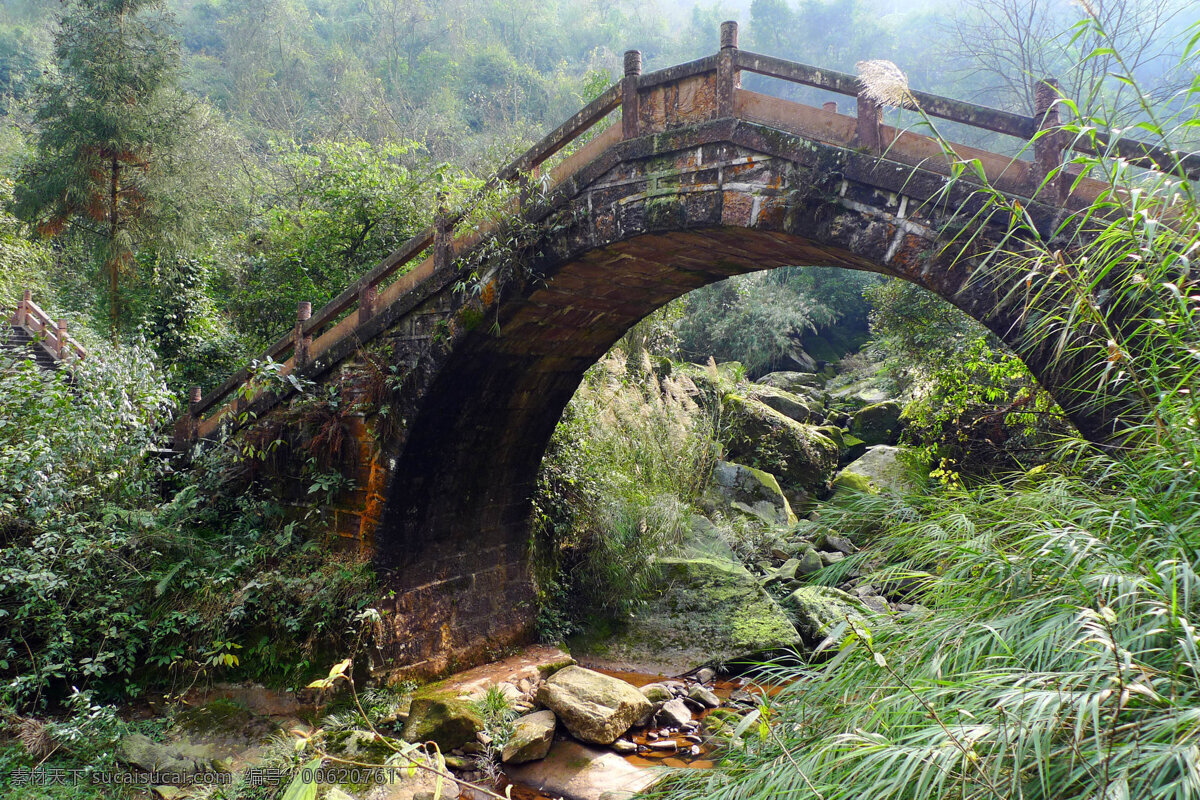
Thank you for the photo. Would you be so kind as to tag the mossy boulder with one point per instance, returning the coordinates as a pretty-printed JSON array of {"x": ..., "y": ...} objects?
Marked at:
[
  {"x": 798, "y": 455},
  {"x": 363, "y": 746},
  {"x": 790, "y": 405},
  {"x": 880, "y": 469},
  {"x": 183, "y": 758},
  {"x": 446, "y": 720},
  {"x": 817, "y": 610},
  {"x": 878, "y": 423},
  {"x": 750, "y": 491},
  {"x": 704, "y": 611},
  {"x": 594, "y": 707},
  {"x": 791, "y": 381}
]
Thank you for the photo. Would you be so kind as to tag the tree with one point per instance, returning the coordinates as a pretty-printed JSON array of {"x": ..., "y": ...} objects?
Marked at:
[
  {"x": 109, "y": 118},
  {"x": 1007, "y": 46}
]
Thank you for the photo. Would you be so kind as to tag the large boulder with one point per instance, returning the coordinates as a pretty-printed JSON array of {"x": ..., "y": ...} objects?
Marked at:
[
  {"x": 790, "y": 405},
  {"x": 704, "y": 611},
  {"x": 446, "y": 720},
  {"x": 183, "y": 758},
  {"x": 531, "y": 738},
  {"x": 594, "y": 707},
  {"x": 750, "y": 491},
  {"x": 791, "y": 381},
  {"x": 797, "y": 454},
  {"x": 579, "y": 772},
  {"x": 881, "y": 469},
  {"x": 878, "y": 423},
  {"x": 817, "y": 610}
]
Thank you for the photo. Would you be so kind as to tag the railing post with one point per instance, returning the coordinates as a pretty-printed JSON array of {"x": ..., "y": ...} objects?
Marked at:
[
  {"x": 727, "y": 73},
  {"x": 441, "y": 234},
  {"x": 187, "y": 426},
  {"x": 60, "y": 337},
  {"x": 23, "y": 308},
  {"x": 870, "y": 115},
  {"x": 1047, "y": 148},
  {"x": 630, "y": 109},
  {"x": 300, "y": 342},
  {"x": 368, "y": 295}
]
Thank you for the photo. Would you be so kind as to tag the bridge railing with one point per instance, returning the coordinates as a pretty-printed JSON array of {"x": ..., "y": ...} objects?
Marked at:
[
  {"x": 53, "y": 333},
  {"x": 435, "y": 247}
]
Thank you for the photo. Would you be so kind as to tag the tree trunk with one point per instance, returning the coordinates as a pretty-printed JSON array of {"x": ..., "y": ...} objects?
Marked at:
[{"x": 113, "y": 259}]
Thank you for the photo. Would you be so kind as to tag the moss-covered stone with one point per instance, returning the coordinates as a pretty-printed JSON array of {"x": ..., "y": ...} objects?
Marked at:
[
  {"x": 817, "y": 610},
  {"x": 797, "y": 454},
  {"x": 750, "y": 491},
  {"x": 446, "y": 720},
  {"x": 791, "y": 381},
  {"x": 704, "y": 611},
  {"x": 790, "y": 405},
  {"x": 878, "y": 423},
  {"x": 881, "y": 468}
]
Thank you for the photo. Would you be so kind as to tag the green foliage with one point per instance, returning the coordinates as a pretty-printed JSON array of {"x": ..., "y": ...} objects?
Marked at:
[
  {"x": 754, "y": 319},
  {"x": 1058, "y": 662},
  {"x": 108, "y": 118},
  {"x": 340, "y": 206},
  {"x": 116, "y": 575},
  {"x": 630, "y": 455}
]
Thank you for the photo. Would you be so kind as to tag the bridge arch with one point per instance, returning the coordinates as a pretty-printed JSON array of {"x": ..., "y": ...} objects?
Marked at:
[
  {"x": 638, "y": 229},
  {"x": 700, "y": 180}
]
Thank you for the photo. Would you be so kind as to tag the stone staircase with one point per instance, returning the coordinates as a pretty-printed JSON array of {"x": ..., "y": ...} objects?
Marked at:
[{"x": 16, "y": 340}]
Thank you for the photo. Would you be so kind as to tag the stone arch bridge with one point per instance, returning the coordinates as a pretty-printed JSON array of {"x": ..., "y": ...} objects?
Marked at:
[{"x": 698, "y": 180}]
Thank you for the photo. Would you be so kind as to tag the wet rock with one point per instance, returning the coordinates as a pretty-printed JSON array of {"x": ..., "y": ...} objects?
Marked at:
[
  {"x": 675, "y": 713},
  {"x": 701, "y": 611},
  {"x": 797, "y": 454},
  {"x": 704, "y": 696},
  {"x": 669, "y": 745},
  {"x": 750, "y": 491},
  {"x": 624, "y": 747},
  {"x": 446, "y": 720},
  {"x": 878, "y": 423},
  {"x": 584, "y": 773},
  {"x": 705, "y": 675},
  {"x": 594, "y": 707},
  {"x": 531, "y": 738}
]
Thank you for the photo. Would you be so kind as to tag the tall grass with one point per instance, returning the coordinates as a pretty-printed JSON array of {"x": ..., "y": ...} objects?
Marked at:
[
  {"x": 1062, "y": 659},
  {"x": 632, "y": 452}
]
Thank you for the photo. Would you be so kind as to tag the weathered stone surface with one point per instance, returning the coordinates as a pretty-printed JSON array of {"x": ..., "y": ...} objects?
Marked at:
[
  {"x": 750, "y": 491},
  {"x": 446, "y": 720},
  {"x": 183, "y": 758},
  {"x": 810, "y": 562},
  {"x": 531, "y": 738},
  {"x": 705, "y": 611},
  {"x": 790, "y": 381},
  {"x": 881, "y": 468},
  {"x": 818, "y": 610},
  {"x": 797, "y": 454},
  {"x": 576, "y": 771},
  {"x": 675, "y": 713},
  {"x": 788, "y": 404},
  {"x": 594, "y": 707},
  {"x": 878, "y": 423},
  {"x": 704, "y": 696},
  {"x": 656, "y": 693},
  {"x": 420, "y": 785}
]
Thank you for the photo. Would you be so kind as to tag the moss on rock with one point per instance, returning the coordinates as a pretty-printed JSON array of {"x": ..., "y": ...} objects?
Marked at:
[{"x": 797, "y": 454}]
